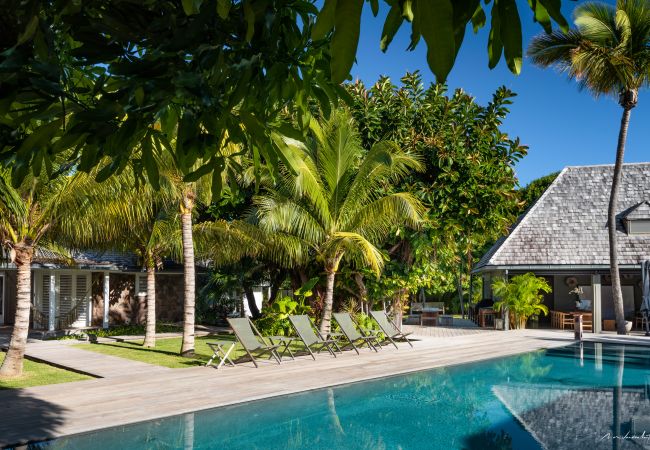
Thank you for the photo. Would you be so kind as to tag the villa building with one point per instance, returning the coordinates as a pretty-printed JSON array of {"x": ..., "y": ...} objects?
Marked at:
[
  {"x": 94, "y": 289},
  {"x": 563, "y": 237}
]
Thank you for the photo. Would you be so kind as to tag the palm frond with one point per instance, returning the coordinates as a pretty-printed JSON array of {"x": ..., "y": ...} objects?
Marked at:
[{"x": 357, "y": 249}]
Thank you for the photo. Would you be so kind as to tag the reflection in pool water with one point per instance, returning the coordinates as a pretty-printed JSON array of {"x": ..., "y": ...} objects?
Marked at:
[{"x": 575, "y": 397}]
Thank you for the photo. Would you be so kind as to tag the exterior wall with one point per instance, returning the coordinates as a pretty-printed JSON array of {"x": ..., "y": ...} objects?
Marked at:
[
  {"x": 126, "y": 307},
  {"x": 169, "y": 297}
]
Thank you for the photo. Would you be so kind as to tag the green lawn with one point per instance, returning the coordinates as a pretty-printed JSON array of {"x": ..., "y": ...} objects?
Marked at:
[
  {"x": 166, "y": 351},
  {"x": 36, "y": 374}
]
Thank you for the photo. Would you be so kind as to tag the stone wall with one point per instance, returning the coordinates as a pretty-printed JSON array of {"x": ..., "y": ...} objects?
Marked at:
[
  {"x": 126, "y": 307},
  {"x": 169, "y": 297}
]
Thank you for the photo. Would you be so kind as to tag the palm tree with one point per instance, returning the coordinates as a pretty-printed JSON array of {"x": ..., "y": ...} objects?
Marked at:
[
  {"x": 608, "y": 54},
  {"x": 153, "y": 240},
  {"x": 334, "y": 201},
  {"x": 69, "y": 208}
]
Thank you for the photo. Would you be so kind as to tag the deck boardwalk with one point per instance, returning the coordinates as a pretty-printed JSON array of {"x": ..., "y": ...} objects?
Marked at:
[
  {"x": 104, "y": 366},
  {"x": 49, "y": 411}
]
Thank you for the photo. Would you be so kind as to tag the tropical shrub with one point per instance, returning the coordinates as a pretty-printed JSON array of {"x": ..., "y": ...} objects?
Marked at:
[
  {"x": 521, "y": 296},
  {"x": 275, "y": 319}
]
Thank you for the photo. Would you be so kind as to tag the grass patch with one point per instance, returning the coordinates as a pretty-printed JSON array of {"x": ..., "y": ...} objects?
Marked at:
[
  {"x": 166, "y": 352},
  {"x": 37, "y": 374}
]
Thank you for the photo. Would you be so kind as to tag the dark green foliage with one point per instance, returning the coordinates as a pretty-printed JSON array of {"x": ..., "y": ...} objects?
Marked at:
[
  {"x": 106, "y": 79},
  {"x": 535, "y": 189},
  {"x": 133, "y": 330},
  {"x": 101, "y": 77}
]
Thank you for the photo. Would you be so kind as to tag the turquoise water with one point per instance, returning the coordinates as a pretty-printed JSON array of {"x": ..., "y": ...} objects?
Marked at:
[{"x": 570, "y": 397}]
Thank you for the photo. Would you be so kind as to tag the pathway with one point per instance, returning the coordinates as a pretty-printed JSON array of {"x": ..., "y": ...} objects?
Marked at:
[
  {"x": 62, "y": 354},
  {"x": 133, "y": 393}
]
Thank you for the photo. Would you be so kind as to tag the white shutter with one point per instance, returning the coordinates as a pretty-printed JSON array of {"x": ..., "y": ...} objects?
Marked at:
[
  {"x": 141, "y": 284},
  {"x": 45, "y": 296},
  {"x": 65, "y": 303},
  {"x": 81, "y": 296}
]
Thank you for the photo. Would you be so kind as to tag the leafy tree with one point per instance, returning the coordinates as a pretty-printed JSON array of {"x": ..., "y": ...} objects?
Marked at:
[
  {"x": 41, "y": 212},
  {"x": 534, "y": 190},
  {"x": 468, "y": 185},
  {"x": 609, "y": 54},
  {"x": 332, "y": 205},
  {"x": 521, "y": 296},
  {"x": 106, "y": 71}
]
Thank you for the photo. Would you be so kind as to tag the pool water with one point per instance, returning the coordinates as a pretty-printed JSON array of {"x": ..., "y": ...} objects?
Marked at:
[{"x": 580, "y": 396}]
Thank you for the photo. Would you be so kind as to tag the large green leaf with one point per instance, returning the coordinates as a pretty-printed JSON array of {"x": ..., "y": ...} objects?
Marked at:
[
  {"x": 29, "y": 31},
  {"x": 223, "y": 8},
  {"x": 149, "y": 162},
  {"x": 345, "y": 38},
  {"x": 553, "y": 7},
  {"x": 541, "y": 15},
  {"x": 495, "y": 47},
  {"x": 325, "y": 21},
  {"x": 511, "y": 35},
  {"x": 393, "y": 21},
  {"x": 436, "y": 23},
  {"x": 478, "y": 18}
]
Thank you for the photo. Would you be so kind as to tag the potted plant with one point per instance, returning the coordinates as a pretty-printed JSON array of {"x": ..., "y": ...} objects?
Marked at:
[{"x": 521, "y": 296}]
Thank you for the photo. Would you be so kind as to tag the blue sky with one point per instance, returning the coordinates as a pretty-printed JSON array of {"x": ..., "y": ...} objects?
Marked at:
[{"x": 561, "y": 125}]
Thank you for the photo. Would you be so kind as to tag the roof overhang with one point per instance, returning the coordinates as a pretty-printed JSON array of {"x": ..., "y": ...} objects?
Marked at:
[{"x": 555, "y": 268}]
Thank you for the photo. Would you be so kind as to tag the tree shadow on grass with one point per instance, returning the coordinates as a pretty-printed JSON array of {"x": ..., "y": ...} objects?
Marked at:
[{"x": 27, "y": 419}]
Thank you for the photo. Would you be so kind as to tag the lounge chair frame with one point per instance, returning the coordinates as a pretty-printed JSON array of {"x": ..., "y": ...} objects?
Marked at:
[
  {"x": 315, "y": 339},
  {"x": 262, "y": 346},
  {"x": 353, "y": 335},
  {"x": 389, "y": 328}
]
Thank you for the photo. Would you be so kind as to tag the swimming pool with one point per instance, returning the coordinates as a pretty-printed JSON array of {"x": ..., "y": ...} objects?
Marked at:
[{"x": 580, "y": 396}]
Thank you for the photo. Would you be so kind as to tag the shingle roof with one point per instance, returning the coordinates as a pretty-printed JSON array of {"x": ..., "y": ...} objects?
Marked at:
[
  {"x": 568, "y": 224},
  {"x": 109, "y": 260}
]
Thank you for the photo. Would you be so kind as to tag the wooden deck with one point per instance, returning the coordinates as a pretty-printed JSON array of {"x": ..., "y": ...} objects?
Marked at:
[{"x": 129, "y": 394}]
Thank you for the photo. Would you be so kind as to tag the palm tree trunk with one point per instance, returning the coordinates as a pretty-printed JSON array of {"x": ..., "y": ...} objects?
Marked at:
[
  {"x": 13, "y": 363},
  {"x": 611, "y": 217},
  {"x": 187, "y": 349},
  {"x": 326, "y": 317},
  {"x": 150, "y": 330}
]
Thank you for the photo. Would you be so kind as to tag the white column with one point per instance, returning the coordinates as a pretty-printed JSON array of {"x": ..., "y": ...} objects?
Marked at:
[
  {"x": 106, "y": 298},
  {"x": 53, "y": 301},
  {"x": 596, "y": 305}
]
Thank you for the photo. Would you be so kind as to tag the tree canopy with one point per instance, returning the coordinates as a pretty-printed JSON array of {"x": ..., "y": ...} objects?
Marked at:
[
  {"x": 101, "y": 77},
  {"x": 468, "y": 184}
]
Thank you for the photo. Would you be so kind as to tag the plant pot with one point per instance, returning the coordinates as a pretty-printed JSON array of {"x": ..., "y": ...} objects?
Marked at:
[
  {"x": 628, "y": 326},
  {"x": 498, "y": 324}
]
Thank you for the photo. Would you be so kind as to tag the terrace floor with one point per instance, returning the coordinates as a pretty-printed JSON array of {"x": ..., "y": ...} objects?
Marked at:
[{"x": 129, "y": 392}]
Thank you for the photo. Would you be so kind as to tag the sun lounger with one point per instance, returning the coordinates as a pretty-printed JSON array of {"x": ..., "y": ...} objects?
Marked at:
[
  {"x": 389, "y": 328},
  {"x": 252, "y": 340},
  {"x": 310, "y": 337},
  {"x": 353, "y": 335}
]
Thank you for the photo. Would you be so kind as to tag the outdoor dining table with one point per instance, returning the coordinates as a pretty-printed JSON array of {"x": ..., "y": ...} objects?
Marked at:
[{"x": 429, "y": 314}]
